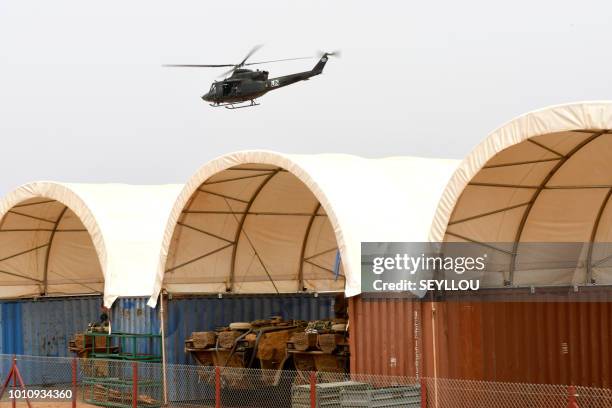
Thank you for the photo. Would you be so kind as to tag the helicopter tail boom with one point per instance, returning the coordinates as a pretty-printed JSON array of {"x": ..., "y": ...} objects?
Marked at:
[{"x": 280, "y": 82}]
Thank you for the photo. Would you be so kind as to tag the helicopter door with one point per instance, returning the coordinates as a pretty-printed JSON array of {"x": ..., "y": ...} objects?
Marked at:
[
  {"x": 216, "y": 91},
  {"x": 227, "y": 88}
]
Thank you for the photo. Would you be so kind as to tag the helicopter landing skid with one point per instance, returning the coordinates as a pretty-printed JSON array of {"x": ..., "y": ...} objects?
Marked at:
[{"x": 234, "y": 106}]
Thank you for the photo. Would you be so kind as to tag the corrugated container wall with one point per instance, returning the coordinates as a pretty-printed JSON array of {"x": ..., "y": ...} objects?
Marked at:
[
  {"x": 203, "y": 313},
  {"x": 533, "y": 342},
  {"x": 385, "y": 336},
  {"x": 44, "y": 327},
  {"x": 542, "y": 342}
]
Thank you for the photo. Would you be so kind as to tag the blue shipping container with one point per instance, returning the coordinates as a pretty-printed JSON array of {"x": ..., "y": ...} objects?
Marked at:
[{"x": 44, "y": 327}]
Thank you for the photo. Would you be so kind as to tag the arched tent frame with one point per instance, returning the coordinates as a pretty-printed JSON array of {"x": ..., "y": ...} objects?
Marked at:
[
  {"x": 363, "y": 199},
  {"x": 541, "y": 177},
  {"x": 119, "y": 229},
  {"x": 25, "y": 205}
]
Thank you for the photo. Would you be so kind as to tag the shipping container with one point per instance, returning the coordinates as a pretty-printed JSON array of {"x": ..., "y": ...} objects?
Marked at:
[
  {"x": 203, "y": 313},
  {"x": 551, "y": 337},
  {"x": 384, "y": 336},
  {"x": 44, "y": 327},
  {"x": 541, "y": 341}
]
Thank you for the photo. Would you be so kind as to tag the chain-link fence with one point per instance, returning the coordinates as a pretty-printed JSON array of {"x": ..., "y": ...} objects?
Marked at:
[
  {"x": 69, "y": 382},
  {"x": 30, "y": 379}
]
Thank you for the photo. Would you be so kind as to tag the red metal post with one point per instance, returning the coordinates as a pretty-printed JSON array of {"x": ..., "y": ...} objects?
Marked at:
[
  {"x": 13, "y": 371},
  {"x": 571, "y": 397},
  {"x": 217, "y": 387},
  {"x": 74, "y": 382},
  {"x": 135, "y": 384},
  {"x": 423, "y": 393},
  {"x": 313, "y": 389}
]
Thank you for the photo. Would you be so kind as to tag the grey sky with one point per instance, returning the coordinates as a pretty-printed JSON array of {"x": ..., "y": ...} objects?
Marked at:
[{"x": 83, "y": 96}]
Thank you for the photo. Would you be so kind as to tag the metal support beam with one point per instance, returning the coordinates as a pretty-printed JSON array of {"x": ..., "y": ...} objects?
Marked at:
[
  {"x": 223, "y": 196},
  {"x": 570, "y": 187},
  {"x": 589, "y": 261},
  {"x": 473, "y": 217},
  {"x": 319, "y": 266},
  {"x": 592, "y": 131},
  {"x": 545, "y": 148},
  {"x": 484, "y": 244},
  {"x": 536, "y": 194},
  {"x": 76, "y": 282},
  {"x": 494, "y": 166},
  {"x": 261, "y": 262},
  {"x": 48, "y": 254},
  {"x": 198, "y": 258},
  {"x": 304, "y": 245},
  {"x": 31, "y": 216},
  {"x": 41, "y": 230},
  {"x": 221, "y": 212},
  {"x": 577, "y": 187},
  {"x": 601, "y": 261},
  {"x": 477, "y": 184},
  {"x": 36, "y": 203},
  {"x": 269, "y": 177},
  {"x": 210, "y": 234},
  {"x": 321, "y": 253},
  {"x": 266, "y": 173},
  {"x": 254, "y": 169},
  {"x": 17, "y": 275},
  {"x": 23, "y": 252}
]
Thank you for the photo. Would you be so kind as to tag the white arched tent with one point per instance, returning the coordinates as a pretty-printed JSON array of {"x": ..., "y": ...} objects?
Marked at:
[
  {"x": 265, "y": 222},
  {"x": 544, "y": 177},
  {"x": 68, "y": 239}
]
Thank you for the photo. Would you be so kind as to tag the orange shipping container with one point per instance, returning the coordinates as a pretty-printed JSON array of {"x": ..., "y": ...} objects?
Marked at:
[{"x": 534, "y": 342}]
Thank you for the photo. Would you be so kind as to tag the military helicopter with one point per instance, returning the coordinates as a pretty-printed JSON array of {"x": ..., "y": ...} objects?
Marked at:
[{"x": 243, "y": 86}]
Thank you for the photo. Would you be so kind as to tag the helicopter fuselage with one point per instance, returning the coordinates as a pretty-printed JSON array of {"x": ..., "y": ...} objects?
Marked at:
[{"x": 243, "y": 85}]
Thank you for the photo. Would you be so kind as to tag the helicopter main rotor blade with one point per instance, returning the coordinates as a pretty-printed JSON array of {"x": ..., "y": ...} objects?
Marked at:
[
  {"x": 198, "y": 65},
  {"x": 242, "y": 63},
  {"x": 253, "y": 51},
  {"x": 229, "y": 71},
  {"x": 278, "y": 60}
]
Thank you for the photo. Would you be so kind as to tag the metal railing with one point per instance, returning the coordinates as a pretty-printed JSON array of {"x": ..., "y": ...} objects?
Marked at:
[{"x": 43, "y": 381}]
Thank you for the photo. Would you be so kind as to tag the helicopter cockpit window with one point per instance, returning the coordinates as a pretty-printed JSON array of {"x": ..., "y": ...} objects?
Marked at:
[{"x": 213, "y": 88}]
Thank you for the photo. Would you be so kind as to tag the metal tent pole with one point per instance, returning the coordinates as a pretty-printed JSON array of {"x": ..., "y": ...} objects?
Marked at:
[{"x": 163, "y": 344}]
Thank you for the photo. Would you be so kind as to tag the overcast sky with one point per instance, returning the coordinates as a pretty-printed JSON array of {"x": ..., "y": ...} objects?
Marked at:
[{"x": 83, "y": 96}]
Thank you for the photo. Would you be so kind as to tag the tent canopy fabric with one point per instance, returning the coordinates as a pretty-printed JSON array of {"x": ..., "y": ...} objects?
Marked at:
[
  {"x": 67, "y": 239},
  {"x": 265, "y": 222},
  {"x": 543, "y": 177}
]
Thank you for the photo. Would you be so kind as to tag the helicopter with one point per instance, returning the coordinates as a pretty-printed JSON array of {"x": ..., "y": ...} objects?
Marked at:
[{"x": 243, "y": 86}]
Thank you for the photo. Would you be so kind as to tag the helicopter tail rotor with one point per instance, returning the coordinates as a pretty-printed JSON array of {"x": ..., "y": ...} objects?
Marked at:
[
  {"x": 321, "y": 64},
  {"x": 336, "y": 53}
]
